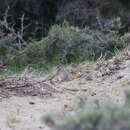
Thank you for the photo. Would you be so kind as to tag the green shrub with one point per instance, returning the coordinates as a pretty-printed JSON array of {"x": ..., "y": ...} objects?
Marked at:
[
  {"x": 5, "y": 48},
  {"x": 65, "y": 44}
]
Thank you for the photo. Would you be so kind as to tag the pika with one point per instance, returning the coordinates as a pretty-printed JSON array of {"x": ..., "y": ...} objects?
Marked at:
[{"x": 61, "y": 74}]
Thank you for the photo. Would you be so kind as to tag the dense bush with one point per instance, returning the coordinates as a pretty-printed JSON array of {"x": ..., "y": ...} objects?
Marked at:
[
  {"x": 95, "y": 117},
  {"x": 88, "y": 12},
  {"x": 65, "y": 44},
  {"x": 39, "y": 15}
]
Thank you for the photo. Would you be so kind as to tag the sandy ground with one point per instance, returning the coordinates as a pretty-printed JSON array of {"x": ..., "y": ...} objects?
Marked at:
[{"x": 25, "y": 113}]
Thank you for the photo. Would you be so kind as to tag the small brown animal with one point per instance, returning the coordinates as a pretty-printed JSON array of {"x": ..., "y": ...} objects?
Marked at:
[{"x": 61, "y": 74}]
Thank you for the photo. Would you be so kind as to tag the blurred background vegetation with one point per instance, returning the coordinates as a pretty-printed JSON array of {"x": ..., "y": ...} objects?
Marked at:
[
  {"x": 94, "y": 116},
  {"x": 42, "y": 34}
]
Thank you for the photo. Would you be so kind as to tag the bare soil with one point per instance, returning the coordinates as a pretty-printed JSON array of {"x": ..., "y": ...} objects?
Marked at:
[{"x": 24, "y": 102}]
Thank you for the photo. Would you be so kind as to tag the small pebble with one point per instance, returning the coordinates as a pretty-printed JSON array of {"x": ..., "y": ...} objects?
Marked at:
[{"x": 31, "y": 103}]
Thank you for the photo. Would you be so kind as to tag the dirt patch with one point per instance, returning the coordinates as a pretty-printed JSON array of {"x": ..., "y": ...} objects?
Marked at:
[
  {"x": 26, "y": 112},
  {"x": 25, "y": 86}
]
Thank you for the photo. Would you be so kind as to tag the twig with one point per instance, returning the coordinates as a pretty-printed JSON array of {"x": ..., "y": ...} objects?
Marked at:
[{"x": 76, "y": 90}]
